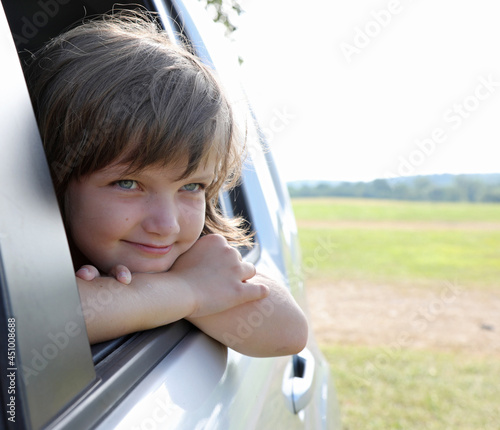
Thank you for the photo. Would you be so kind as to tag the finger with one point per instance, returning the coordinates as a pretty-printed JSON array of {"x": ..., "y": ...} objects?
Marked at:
[
  {"x": 122, "y": 274},
  {"x": 255, "y": 291},
  {"x": 87, "y": 272},
  {"x": 248, "y": 271}
]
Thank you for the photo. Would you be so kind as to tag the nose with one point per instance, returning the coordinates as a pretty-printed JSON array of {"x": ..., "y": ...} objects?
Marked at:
[{"x": 161, "y": 216}]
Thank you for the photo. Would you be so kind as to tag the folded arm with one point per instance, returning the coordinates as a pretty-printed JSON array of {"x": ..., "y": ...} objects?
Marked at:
[{"x": 210, "y": 286}]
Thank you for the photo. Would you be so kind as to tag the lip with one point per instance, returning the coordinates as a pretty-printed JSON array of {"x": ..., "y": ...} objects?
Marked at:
[{"x": 150, "y": 248}]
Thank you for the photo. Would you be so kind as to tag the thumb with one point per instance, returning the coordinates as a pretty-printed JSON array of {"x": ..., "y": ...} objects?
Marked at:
[
  {"x": 121, "y": 273},
  {"x": 87, "y": 272}
]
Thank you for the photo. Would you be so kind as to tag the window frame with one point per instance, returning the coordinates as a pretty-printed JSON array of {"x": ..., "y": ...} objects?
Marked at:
[{"x": 37, "y": 277}]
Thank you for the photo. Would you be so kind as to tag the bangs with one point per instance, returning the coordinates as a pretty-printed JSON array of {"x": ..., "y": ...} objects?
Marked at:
[
  {"x": 117, "y": 91},
  {"x": 159, "y": 117},
  {"x": 176, "y": 123}
]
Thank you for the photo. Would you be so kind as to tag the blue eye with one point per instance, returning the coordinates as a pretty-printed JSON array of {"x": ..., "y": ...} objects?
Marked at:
[
  {"x": 193, "y": 187},
  {"x": 127, "y": 184}
]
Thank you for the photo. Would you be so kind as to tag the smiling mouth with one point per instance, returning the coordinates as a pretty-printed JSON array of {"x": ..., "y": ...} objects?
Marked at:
[{"x": 150, "y": 248}]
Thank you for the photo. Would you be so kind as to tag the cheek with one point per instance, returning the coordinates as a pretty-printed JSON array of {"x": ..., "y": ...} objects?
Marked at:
[
  {"x": 95, "y": 225},
  {"x": 193, "y": 214}
]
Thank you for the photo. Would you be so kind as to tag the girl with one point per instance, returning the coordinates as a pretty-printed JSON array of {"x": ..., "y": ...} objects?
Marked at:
[{"x": 140, "y": 139}]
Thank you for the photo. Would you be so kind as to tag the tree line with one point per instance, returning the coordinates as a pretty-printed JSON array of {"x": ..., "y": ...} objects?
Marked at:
[{"x": 450, "y": 188}]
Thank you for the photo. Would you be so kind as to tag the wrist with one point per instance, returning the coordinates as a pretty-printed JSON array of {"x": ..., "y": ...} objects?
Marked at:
[{"x": 168, "y": 290}]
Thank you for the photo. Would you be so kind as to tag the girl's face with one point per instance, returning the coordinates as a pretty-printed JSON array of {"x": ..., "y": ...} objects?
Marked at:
[{"x": 144, "y": 220}]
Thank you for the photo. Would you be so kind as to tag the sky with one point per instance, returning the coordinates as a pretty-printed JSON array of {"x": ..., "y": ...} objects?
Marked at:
[{"x": 355, "y": 91}]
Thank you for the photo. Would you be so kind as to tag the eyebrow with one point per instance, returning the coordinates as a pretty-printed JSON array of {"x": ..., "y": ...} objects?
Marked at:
[
  {"x": 202, "y": 177},
  {"x": 120, "y": 170},
  {"x": 111, "y": 172}
]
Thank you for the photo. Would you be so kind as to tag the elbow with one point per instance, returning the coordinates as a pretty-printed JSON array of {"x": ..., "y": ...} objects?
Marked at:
[
  {"x": 303, "y": 336},
  {"x": 296, "y": 337},
  {"x": 300, "y": 336},
  {"x": 287, "y": 338}
]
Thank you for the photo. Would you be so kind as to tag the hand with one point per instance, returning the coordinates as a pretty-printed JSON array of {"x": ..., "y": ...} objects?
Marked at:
[
  {"x": 216, "y": 276},
  {"x": 119, "y": 272}
]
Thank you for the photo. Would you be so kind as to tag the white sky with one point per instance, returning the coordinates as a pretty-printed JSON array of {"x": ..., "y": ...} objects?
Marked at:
[{"x": 338, "y": 116}]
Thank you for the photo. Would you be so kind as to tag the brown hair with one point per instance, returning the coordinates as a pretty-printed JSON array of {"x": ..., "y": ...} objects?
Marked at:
[{"x": 117, "y": 87}]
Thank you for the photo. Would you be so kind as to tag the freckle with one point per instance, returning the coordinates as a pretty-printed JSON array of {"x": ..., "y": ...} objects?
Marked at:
[{"x": 126, "y": 219}]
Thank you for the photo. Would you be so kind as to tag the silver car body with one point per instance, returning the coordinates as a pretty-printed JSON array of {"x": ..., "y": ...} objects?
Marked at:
[{"x": 174, "y": 377}]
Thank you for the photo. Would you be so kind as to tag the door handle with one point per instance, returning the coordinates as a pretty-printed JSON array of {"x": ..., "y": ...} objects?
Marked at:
[{"x": 298, "y": 381}]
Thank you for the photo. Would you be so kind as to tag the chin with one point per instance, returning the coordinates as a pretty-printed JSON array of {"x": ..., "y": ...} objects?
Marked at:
[{"x": 151, "y": 268}]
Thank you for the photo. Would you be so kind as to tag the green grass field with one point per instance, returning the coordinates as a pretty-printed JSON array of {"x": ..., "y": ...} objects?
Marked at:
[
  {"x": 402, "y": 243},
  {"x": 418, "y": 390},
  {"x": 392, "y": 210},
  {"x": 390, "y": 241}
]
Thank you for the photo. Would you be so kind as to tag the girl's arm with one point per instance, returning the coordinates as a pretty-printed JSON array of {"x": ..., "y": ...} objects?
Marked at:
[
  {"x": 271, "y": 326},
  {"x": 210, "y": 286}
]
